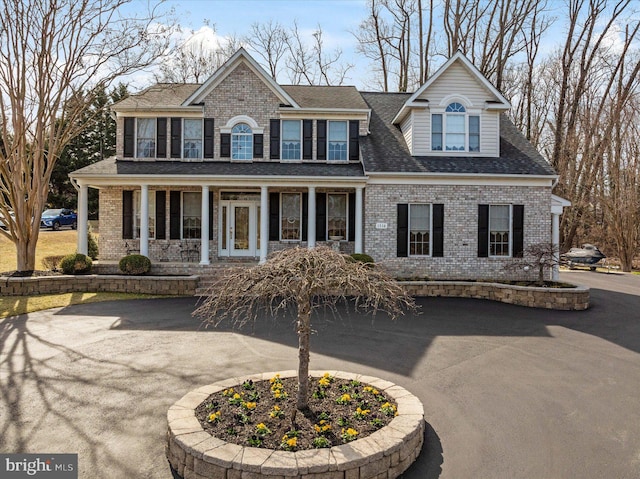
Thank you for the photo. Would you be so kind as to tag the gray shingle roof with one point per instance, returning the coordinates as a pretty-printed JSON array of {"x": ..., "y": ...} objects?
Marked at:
[
  {"x": 113, "y": 167},
  {"x": 158, "y": 95},
  {"x": 326, "y": 96},
  {"x": 173, "y": 95},
  {"x": 385, "y": 151}
]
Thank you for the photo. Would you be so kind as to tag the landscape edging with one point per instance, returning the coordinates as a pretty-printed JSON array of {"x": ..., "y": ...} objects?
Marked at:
[
  {"x": 566, "y": 299},
  {"x": 385, "y": 454}
]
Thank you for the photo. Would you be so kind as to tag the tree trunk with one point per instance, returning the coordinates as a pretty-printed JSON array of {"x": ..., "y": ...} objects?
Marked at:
[
  {"x": 26, "y": 254},
  {"x": 304, "y": 338}
]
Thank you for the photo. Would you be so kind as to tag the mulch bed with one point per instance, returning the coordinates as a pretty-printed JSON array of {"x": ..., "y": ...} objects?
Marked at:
[
  {"x": 29, "y": 274},
  {"x": 237, "y": 414}
]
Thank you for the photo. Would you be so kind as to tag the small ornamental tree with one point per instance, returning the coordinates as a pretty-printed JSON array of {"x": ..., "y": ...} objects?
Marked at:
[
  {"x": 539, "y": 256},
  {"x": 305, "y": 279}
]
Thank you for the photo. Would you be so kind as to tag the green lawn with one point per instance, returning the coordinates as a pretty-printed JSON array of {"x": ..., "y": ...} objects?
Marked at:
[{"x": 50, "y": 243}]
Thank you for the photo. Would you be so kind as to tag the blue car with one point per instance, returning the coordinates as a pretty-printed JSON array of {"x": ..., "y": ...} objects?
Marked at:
[{"x": 56, "y": 219}]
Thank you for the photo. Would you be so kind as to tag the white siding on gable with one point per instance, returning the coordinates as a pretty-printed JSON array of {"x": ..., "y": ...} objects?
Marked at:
[
  {"x": 407, "y": 131},
  {"x": 457, "y": 80},
  {"x": 421, "y": 132}
]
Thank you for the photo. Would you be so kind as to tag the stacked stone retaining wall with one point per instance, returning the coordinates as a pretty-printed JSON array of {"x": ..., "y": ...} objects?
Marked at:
[
  {"x": 169, "y": 285},
  {"x": 576, "y": 298}
]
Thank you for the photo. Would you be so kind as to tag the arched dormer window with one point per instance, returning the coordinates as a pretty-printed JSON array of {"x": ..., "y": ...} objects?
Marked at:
[
  {"x": 241, "y": 142},
  {"x": 455, "y": 129}
]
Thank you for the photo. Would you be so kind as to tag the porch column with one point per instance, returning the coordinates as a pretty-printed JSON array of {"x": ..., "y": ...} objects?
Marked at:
[
  {"x": 358, "y": 248},
  {"x": 555, "y": 239},
  {"x": 204, "y": 226},
  {"x": 311, "y": 218},
  {"x": 144, "y": 220},
  {"x": 264, "y": 223},
  {"x": 83, "y": 217}
]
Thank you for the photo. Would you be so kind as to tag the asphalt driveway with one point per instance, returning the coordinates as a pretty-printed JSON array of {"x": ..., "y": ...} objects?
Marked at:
[{"x": 509, "y": 392}]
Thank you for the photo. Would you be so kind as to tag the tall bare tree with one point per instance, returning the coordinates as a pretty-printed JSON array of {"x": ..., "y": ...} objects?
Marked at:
[
  {"x": 270, "y": 41},
  {"x": 54, "y": 56},
  {"x": 305, "y": 279}
]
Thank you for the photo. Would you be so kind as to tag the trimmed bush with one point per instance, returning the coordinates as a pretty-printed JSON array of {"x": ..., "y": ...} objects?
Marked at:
[
  {"x": 76, "y": 264},
  {"x": 52, "y": 263},
  {"x": 92, "y": 246},
  {"x": 363, "y": 258},
  {"x": 135, "y": 264}
]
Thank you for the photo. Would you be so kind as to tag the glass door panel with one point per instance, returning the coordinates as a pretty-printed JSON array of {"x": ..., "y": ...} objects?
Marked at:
[{"x": 241, "y": 228}]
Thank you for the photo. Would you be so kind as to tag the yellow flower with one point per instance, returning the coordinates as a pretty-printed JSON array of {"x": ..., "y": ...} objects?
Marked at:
[
  {"x": 367, "y": 389},
  {"x": 214, "y": 416},
  {"x": 275, "y": 379},
  {"x": 236, "y": 396},
  {"x": 249, "y": 405},
  {"x": 292, "y": 442},
  {"x": 324, "y": 381},
  {"x": 352, "y": 432}
]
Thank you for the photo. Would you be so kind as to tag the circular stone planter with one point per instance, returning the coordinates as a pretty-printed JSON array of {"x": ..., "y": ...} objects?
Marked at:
[{"x": 385, "y": 454}]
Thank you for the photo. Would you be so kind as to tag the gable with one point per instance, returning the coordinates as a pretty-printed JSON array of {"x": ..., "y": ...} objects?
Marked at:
[
  {"x": 456, "y": 82},
  {"x": 241, "y": 57}
]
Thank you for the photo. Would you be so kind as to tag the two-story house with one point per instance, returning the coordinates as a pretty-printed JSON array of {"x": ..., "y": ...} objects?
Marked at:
[{"x": 437, "y": 183}]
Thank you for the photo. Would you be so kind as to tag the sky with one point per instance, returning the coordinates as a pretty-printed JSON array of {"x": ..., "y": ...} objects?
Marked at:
[{"x": 336, "y": 17}]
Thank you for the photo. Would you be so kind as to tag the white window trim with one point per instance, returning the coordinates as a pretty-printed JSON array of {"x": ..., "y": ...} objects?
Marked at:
[
  {"x": 243, "y": 134},
  {"x": 441, "y": 110},
  {"x": 430, "y": 232},
  {"x": 242, "y": 119},
  {"x": 155, "y": 137},
  {"x": 510, "y": 255},
  {"x": 137, "y": 198},
  {"x": 326, "y": 231},
  {"x": 201, "y": 139},
  {"x": 282, "y": 159},
  {"x": 300, "y": 216},
  {"x": 346, "y": 160},
  {"x": 182, "y": 215}
]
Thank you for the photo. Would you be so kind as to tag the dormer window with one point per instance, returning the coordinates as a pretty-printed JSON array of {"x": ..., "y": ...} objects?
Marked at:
[
  {"x": 241, "y": 142},
  {"x": 455, "y": 129}
]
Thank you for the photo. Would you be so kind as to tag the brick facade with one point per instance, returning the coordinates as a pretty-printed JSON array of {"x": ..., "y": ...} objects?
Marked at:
[{"x": 460, "y": 260}]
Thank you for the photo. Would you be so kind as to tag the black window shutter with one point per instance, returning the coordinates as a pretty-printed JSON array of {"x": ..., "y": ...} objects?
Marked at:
[
  {"x": 274, "y": 139},
  {"x": 351, "y": 217},
  {"x": 129, "y": 137},
  {"x": 211, "y": 215},
  {"x": 127, "y": 214},
  {"x": 258, "y": 145},
  {"x": 321, "y": 217},
  {"x": 274, "y": 216},
  {"x": 305, "y": 215},
  {"x": 161, "y": 138},
  {"x": 307, "y": 139},
  {"x": 321, "y": 140},
  {"x": 176, "y": 137},
  {"x": 354, "y": 140},
  {"x": 225, "y": 145},
  {"x": 208, "y": 137},
  {"x": 518, "y": 230},
  {"x": 174, "y": 215},
  {"x": 161, "y": 215},
  {"x": 438, "y": 230},
  {"x": 402, "y": 238},
  {"x": 483, "y": 231}
]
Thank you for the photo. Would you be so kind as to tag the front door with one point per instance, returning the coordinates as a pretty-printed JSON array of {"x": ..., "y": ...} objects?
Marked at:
[{"x": 238, "y": 220}]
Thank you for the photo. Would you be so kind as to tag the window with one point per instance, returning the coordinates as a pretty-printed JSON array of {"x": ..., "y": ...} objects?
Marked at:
[
  {"x": 337, "y": 216},
  {"x": 146, "y": 138},
  {"x": 241, "y": 142},
  {"x": 499, "y": 230},
  {"x": 291, "y": 216},
  {"x": 291, "y": 140},
  {"x": 460, "y": 131},
  {"x": 192, "y": 146},
  {"x": 419, "y": 229},
  {"x": 191, "y": 215},
  {"x": 137, "y": 205},
  {"x": 337, "y": 141}
]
